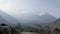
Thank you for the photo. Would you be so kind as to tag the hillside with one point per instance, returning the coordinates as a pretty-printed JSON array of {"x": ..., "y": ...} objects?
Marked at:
[
  {"x": 37, "y": 19},
  {"x": 5, "y": 18},
  {"x": 57, "y": 23}
]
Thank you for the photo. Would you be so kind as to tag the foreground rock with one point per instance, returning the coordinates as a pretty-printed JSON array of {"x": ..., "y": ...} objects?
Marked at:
[{"x": 5, "y": 29}]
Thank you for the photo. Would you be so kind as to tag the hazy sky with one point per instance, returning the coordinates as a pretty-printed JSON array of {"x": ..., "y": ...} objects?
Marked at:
[{"x": 17, "y": 7}]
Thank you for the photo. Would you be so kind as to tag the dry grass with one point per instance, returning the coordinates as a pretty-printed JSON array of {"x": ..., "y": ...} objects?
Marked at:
[{"x": 28, "y": 33}]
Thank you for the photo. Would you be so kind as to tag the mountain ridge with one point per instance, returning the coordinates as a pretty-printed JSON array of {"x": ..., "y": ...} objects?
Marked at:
[{"x": 29, "y": 18}]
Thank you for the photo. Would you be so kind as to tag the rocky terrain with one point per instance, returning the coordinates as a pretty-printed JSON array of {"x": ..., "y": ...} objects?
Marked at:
[{"x": 53, "y": 28}]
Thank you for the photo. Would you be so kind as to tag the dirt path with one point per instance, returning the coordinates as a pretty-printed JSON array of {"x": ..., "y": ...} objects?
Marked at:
[{"x": 28, "y": 33}]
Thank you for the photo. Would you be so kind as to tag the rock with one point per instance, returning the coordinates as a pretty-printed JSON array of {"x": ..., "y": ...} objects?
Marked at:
[{"x": 6, "y": 29}]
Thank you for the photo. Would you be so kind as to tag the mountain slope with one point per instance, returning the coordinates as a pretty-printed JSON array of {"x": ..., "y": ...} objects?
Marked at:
[
  {"x": 2, "y": 20},
  {"x": 8, "y": 18},
  {"x": 57, "y": 23},
  {"x": 32, "y": 18},
  {"x": 29, "y": 18}
]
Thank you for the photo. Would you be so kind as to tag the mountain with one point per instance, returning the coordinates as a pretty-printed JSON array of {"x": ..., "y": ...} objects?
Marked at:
[
  {"x": 29, "y": 18},
  {"x": 5, "y": 18},
  {"x": 33, "y": 18},
  {"x": 57, "y": 23},
  {"x": 2, "y": 20}
]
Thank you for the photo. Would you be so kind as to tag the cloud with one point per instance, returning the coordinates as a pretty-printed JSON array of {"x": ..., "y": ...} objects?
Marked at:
[
  {"x": 20, "y": 8},
  {"x": 42, "y": 13}
]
